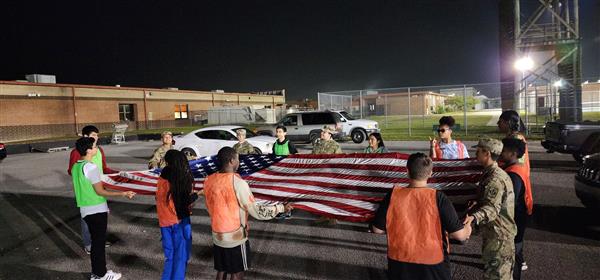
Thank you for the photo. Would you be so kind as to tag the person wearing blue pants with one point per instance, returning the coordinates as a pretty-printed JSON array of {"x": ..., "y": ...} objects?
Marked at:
[
  {"x": 174, "y": 198},
  {"x": 177, "y": 245}
]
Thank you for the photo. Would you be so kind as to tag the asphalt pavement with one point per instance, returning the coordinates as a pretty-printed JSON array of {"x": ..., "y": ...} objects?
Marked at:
[{"x": 40, "y": 230}]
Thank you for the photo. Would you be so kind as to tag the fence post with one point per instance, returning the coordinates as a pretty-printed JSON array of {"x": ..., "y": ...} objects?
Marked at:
[
  {"x": 386, "y": 110},
  {"x": 465, "y": 109},
  {"x": 409, "y": 120},
  {"x": 360, "y": 104},
  {"x": 318, "y": 101}
]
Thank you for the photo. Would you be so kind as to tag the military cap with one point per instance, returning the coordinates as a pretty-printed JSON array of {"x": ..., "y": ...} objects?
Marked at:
[
  {"x": 328, "y": 130},
  {"x": 493, "y": 145}
]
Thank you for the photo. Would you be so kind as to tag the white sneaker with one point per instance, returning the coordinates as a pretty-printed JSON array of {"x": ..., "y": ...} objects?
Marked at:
[
  {"x": 110, "y": 275},
  {"x": 524, "y": 266}
]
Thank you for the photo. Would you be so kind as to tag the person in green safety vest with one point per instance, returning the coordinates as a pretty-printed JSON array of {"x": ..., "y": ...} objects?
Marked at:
[
  {"x": 90, "y": 196},
  {"x": 283, "y": 146},
  {"x": 100, "y": 160}
]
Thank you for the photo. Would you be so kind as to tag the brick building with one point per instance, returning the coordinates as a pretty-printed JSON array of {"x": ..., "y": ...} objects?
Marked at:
[
  {"x": 38, "y": 110},
  {"x": 421, "y": 103}
]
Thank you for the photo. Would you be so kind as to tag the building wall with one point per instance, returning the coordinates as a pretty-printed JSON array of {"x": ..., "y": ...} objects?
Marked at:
[{"x": 34, "y": 111}]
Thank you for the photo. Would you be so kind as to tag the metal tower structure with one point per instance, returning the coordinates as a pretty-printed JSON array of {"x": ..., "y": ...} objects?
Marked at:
[{"x": 542, "y": 26}]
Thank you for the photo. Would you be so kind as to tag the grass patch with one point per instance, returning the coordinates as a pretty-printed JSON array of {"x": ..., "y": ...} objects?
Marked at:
[{"x": 422, "y": 126}]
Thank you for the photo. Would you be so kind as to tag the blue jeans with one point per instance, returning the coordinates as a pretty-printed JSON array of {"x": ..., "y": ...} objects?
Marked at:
[
  {"x": 85, "y": 234},
  {"x": 177, "y": 245}
]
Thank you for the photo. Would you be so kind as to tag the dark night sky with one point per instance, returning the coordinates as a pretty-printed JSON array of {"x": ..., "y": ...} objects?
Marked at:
[{"x": 302, "y": 46}]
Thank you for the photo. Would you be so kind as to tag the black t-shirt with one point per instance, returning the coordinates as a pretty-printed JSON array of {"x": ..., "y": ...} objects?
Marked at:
[
  {"x": 519, "y": 189},
  {"x": 450, "y": 223}
]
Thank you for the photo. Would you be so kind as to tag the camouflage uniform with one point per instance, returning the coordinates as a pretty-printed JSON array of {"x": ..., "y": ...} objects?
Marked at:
[
  {"x": 158, "y": 158},
  {"x": 495, "y": 217},
  {"x": 326, "y": 147},
  {"x": 244, "y": 148}
]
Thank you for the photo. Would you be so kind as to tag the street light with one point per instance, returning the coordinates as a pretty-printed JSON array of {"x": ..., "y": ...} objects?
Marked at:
[
  {"x": 524, "y": 64},
  {"x": 558, "y": 83}
]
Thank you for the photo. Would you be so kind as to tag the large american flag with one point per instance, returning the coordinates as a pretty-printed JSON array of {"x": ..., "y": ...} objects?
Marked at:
[{"x": 343, "y": 186}]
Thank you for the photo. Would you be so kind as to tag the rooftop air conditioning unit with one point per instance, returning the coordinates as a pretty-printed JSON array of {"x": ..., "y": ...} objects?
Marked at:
[{"x": 39, "y": 78}]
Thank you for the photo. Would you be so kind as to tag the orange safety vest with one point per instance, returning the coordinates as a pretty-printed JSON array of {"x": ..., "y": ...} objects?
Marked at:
[
  {"x": 222, "y": 203},
  {"x": 439, "y": 153},
  {"x": 521, "y": 170},
  {"x": 414, "y": 229}
]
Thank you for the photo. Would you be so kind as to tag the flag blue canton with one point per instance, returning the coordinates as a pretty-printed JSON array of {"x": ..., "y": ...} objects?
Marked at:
[{"x": 248, "y": 164}]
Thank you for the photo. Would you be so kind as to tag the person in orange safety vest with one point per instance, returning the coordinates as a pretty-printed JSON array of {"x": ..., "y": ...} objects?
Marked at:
[
  {"x": 418, "y": 221},
  {"x": 229, "y": 201},
  {"x": 511, "y": 153}
]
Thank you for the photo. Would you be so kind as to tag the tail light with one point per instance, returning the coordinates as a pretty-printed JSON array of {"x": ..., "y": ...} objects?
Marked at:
[{"x": 1, "y": 146}]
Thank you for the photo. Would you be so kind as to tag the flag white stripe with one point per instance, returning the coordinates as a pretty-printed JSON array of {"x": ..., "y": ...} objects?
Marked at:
[
  {"x": 351, "y": 202},
  {"x": 314, "y": 188},
  {"x": 362, "y": 172},
  {"x": 327, "y": 208},
  {"x": 376, "y": 161}
]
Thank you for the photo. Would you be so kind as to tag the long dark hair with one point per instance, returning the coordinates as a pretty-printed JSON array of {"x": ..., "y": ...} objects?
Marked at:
[
  {"x": 181, "y": 180},
  {"x": 379, "y": 139},
  {"x": 515, "y": 124}
]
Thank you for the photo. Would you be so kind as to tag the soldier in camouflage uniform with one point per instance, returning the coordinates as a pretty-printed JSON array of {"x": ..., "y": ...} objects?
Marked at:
[
  {"x": 494, "y": 213},
  {"x": 326, "y": 145},
  {"x": 243, "y": 147},
  {"x": 158, "y": 158}
]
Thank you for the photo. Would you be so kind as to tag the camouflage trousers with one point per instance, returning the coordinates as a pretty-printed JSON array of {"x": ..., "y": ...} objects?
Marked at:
[{"x": 498, "y": 258}]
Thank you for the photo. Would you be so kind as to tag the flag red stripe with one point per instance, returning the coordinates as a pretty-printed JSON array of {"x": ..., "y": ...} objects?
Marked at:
[
  {"x": 359, "y": 219},
  {"x": 458, "y": 178},
  {"x": 376, "y": 167},
  {"x": 334, "y": 204},
  {"x": 329, "y": 194},
  {"x": 319, "y": 184}
]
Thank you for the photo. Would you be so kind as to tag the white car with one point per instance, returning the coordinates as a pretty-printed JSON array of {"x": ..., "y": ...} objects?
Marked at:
[{"x": 209, "y": 140}]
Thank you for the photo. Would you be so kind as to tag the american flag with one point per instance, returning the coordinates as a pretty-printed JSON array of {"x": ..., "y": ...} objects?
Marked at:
[{"x": 342, "y": 186}]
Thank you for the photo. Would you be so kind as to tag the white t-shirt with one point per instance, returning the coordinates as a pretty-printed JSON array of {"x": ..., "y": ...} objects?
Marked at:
[{"x": 92, "y": 173}]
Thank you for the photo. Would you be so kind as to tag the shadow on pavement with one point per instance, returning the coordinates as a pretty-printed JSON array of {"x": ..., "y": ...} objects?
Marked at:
[{"x": 567, "y": 220}]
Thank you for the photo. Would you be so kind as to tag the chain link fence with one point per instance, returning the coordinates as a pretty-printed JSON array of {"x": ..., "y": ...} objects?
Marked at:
[{"x": 413, "y": 112}]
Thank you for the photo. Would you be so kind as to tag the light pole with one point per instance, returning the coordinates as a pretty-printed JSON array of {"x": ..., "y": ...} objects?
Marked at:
[{"x": 524, "y": 64}]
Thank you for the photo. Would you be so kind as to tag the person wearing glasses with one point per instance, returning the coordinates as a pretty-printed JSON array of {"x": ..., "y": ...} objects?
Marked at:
[{"x": 446, "y": 147}]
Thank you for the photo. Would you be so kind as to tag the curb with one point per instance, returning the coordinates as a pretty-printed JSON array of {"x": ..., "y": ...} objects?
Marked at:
[{"x": 43, "y": 147}]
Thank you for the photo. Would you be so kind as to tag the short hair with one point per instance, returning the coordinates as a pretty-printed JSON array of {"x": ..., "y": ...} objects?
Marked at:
[
  {"x": 515, "y": 145},
  {"x": 166, "y": 133},
  {"x": 240, "y": 131},
  {"x": 281, "y": 127},
  {"x": 419, "y": 166},
  {"x": 88, "y": 129},
  {"x": 83, "y": 144},
  {"x": 447, "y": 120},
  {"x": 225, "y": 155}
]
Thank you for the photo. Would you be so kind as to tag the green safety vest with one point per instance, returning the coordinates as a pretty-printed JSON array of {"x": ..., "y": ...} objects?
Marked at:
[
  {"x": 85, "y": 194},
  {"x": 97, "y": 160},
  {"x": 282, "y": 149}
]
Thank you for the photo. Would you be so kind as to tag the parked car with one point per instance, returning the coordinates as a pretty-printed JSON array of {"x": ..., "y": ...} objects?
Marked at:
[
  {"x": 587, "y": 181},
  {"x": 306, "y": 126},
  {"x": 570, "y": 137},
  {"x": 2, "y": 151},
  {"x": 207, "y": 141}
]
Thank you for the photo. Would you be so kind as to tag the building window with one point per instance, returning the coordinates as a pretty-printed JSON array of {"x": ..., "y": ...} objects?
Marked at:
[
  {"x": 181, "y": 111},
  {"x": 126, "y": 112}
]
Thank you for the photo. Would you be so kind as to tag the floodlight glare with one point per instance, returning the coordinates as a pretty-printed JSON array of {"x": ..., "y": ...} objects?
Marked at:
[
  {"x": 524, "y": 64},
  {"x": 558, "y": 83}
]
